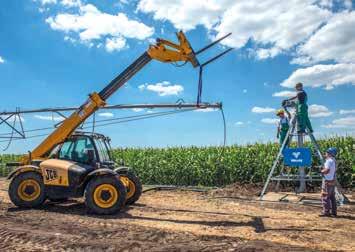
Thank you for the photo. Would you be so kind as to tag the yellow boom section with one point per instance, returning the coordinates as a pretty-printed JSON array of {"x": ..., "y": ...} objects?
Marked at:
[{"x": 66, "y": 128}]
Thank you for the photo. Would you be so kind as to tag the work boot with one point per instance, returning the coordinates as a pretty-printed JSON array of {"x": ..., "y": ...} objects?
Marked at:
[{"x": 324, "y": 215}]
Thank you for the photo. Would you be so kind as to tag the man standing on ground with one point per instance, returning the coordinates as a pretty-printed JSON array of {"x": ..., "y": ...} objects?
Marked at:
[
  {"x": 328, "y": 186},
  {"x": 301, "y": 109}
]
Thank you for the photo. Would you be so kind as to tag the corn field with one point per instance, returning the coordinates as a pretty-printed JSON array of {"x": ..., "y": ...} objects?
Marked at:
[{"x": 217, "y": 166}]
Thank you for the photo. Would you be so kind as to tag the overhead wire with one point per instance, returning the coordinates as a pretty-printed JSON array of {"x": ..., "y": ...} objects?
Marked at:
[{"x": 113, "y": 121}]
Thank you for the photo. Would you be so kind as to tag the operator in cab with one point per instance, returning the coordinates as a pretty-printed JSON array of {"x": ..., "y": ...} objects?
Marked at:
[
  {"x": 328, "y": 187},
  {"x": 301, "y": 109},
  {"x": 282, "y": 127}
]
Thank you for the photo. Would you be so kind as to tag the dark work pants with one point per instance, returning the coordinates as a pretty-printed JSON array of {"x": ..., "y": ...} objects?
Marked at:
[{"x": 328, "y": 198}]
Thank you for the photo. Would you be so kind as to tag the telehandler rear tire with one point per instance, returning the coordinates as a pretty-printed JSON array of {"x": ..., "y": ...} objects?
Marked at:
[
  {"x": 105, "y": 194},
  {"x": 27, "y": 190},
  {"x": 133, "y": 186}
]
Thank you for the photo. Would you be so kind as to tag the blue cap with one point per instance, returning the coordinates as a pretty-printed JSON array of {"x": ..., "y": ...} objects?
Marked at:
[{"x": 332, "y": 151}]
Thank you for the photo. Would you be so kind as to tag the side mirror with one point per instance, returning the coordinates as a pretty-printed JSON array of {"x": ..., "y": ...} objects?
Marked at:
[{"x": 91, "y": 155}]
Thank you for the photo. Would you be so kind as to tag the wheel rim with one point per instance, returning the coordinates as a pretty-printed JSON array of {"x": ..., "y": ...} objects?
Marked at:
[
  {"x": 105, "y": 195},
  {"x": 130, "y": 186},
  {"x": 29, "y": 190}
]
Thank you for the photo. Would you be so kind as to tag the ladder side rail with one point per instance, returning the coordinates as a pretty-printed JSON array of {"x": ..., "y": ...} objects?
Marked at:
[{"x": 275, "y": 162}]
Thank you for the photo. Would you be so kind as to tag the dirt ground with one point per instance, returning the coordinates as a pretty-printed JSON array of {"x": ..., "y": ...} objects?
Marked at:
[{"x": 176, "y": 221}]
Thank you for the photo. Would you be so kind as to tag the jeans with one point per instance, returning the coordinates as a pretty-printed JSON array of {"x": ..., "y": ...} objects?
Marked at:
[{"x": 328, "y": 198}]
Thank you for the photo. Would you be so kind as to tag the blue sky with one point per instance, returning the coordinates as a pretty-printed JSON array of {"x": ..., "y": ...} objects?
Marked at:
[{"x": 55, "y": 52}]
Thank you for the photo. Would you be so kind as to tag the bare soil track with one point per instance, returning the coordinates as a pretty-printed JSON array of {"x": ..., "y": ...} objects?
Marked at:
[{"x": 175, "y": 221}]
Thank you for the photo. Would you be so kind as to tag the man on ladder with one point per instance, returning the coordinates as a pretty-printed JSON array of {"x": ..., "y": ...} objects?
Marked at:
[
  {"x": 301, "y": 109},
  {"x": 282, "y": 127}
]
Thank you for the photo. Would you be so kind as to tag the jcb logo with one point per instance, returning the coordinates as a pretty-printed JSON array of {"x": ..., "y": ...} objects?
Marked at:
[{"x": 51, "y": 174}]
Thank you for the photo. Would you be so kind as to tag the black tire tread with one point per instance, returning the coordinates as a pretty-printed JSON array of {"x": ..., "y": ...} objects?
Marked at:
[
  {"x": 15, "y": 182},
  {"x": 133, "y": 177},
  {"x": 104, "y": 179}
]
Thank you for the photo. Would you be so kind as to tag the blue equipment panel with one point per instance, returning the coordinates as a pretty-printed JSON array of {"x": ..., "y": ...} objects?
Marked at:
[{"x": 297, "y": 157}]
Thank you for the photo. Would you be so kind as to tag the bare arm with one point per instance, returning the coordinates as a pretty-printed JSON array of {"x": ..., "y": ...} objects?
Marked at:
[{"x": 292, "y": 98}]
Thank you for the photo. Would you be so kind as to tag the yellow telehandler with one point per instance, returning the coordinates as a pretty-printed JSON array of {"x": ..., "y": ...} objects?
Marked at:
[{"x": 76, "y": 164}]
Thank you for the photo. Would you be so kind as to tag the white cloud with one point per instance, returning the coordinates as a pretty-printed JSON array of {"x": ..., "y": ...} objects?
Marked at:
[
  {"x": 206, "y": 110},
  {"x": 239, "y": 123},
  {"x": 284, "y": 94},
  {"x": 345, "y": 112},
  {"x": 263, "y": 53},
  {"x": 270, "y": 120},
  {"x": 92, "y": 25},
  {"x": 71, "y": 3},
  {"x": 334, "y": 41},
  {"x": 115, "y": 44},
  {"x": 137, "y": 109},
  {"x": 319, "y": 111},
  {"x": 260, "y": 110},
  {"x": 44, "y": 2},
  {"x": 328, "y": 76},
  {"x": 326, "y": 3},
  {"x": 164, "y": 88},
  {"x": 273, "y": 25},
  {"x": 70, "y": 39},
  {"x": 185, "y": 14},
  {"x": 106, "y": 114},
  {"x": 345, "y": 122},
  {"x": 348, "y": 4},
  {"x": 2, "y": 60},
  {"x": 142, "y": 87},
  {"x": 49, "y": 118}
]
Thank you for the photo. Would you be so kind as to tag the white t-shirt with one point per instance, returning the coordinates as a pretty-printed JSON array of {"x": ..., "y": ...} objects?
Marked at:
[{"x": 330, "y": 164}]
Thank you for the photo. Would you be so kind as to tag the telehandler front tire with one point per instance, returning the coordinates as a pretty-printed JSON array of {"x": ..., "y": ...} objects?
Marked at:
[
  {"x": 105, "y": 194},
  {"x": 27, "y": 190}
]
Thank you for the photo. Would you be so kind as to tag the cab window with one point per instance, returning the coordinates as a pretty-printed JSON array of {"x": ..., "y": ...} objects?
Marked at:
[
  {"x": 102, "y": 150},
  {"x": 76, "y": 150}
]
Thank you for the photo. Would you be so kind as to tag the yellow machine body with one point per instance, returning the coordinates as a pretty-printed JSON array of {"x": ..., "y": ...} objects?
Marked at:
[{"x": 56, "y": 172}]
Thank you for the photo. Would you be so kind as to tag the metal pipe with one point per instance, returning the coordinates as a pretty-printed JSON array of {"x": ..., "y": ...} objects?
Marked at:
[
  {"x": 212, "y": 44},
  {"x": 120, "y": 106}
]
